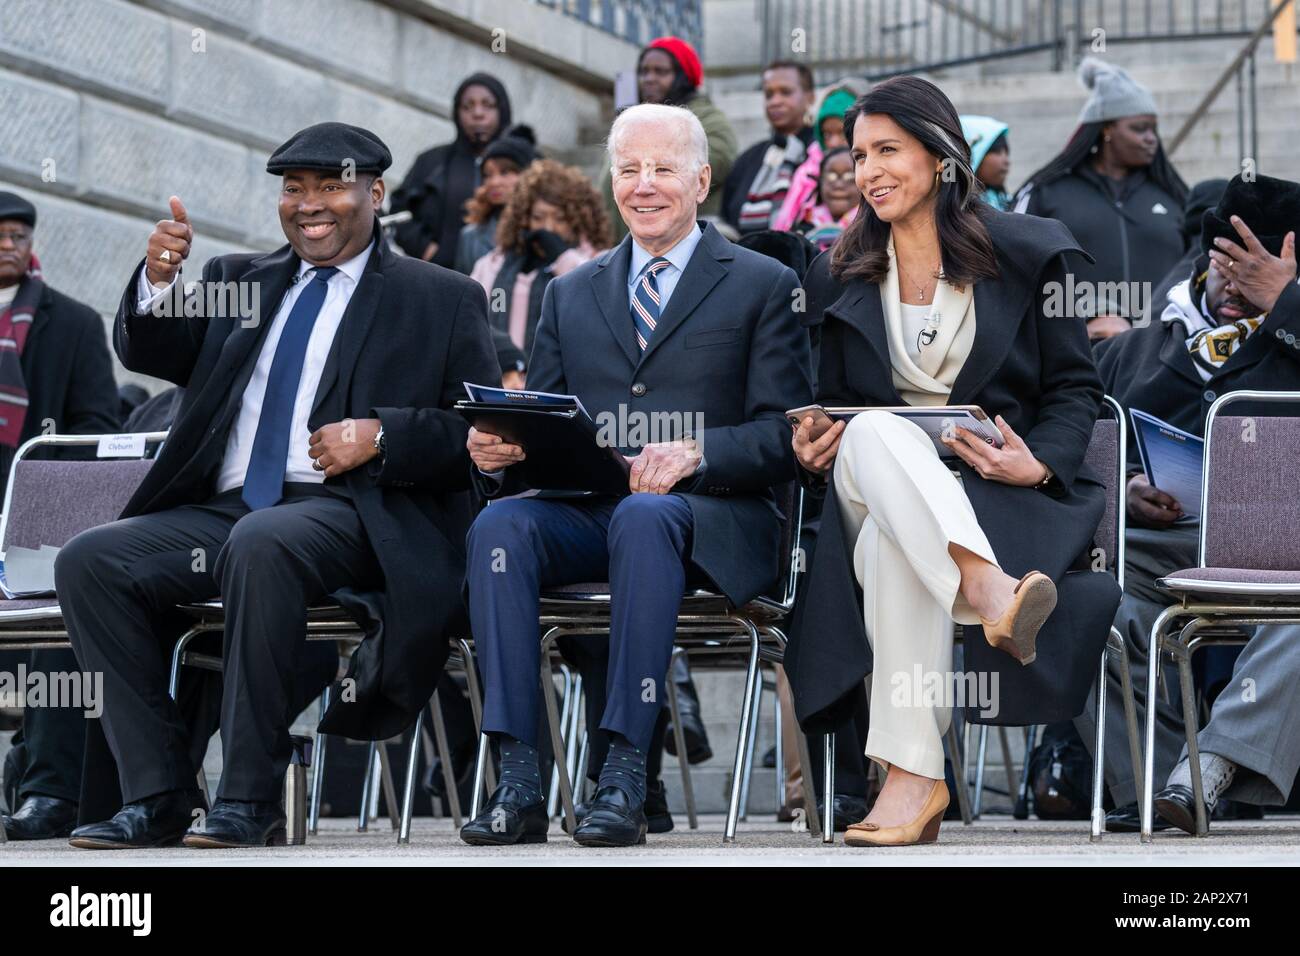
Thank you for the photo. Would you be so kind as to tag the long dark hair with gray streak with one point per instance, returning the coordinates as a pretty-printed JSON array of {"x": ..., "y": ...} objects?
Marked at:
[{"x": 923, "y": 110}]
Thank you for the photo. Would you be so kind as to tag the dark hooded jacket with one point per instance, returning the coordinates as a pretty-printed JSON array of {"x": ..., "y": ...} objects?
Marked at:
[{"x": 440, "y": 182}]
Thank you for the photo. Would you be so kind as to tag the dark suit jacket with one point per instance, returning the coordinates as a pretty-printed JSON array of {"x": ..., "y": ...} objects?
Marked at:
[
  {"x": 1150, "y": 369},
  {"x": 728, "y": 346},
  {"x": 68, "y": 372},
  {"x": 1034, "y": 370},
  {"x": 411, "y": 334}
]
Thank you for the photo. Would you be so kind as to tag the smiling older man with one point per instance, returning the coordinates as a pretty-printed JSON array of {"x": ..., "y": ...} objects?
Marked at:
[{"x": 673, "y": 320}]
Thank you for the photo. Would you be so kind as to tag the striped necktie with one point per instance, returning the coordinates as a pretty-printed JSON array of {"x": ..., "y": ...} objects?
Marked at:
[{"x": 645, "y": 301}]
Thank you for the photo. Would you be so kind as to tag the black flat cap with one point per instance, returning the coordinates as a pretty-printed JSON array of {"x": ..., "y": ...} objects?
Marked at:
[
  {"x": 13, "y": 206},
  {"x": 1270, "y": 207},
  {"x": 331, "y": 147}
]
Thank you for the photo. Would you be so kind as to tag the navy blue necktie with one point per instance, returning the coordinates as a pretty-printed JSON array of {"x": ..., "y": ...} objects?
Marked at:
[
  {"x": 645, "y": 301},
  {"x": 264, "y": 480}
]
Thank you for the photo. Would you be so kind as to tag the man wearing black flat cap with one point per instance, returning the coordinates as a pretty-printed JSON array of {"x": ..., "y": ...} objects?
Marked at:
[
  {"x": 55, "y": 375},
  {"x": 314, "y": 459},
  {"x": 1232, "y": 324}
]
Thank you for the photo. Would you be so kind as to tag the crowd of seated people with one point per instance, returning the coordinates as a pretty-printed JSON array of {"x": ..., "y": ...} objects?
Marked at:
[{"x": 867, "y": 254}]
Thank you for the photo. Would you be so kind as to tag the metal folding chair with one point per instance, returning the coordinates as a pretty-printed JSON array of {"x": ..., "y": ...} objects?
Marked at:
[
  {"x": 709, "y": 630},
  {"x": 1105, "y": 456},
  {"x": 1248, "y": 562},
  {"x": 47, "y": 502}
]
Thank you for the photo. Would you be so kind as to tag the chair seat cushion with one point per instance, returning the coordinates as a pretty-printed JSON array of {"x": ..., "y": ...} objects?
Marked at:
[
  {"x": 43, "y": 611},
  {"x": 1242, "y": 582}
]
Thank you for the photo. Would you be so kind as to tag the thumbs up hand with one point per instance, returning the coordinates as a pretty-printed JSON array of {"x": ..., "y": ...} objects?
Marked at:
[{"x": 168, "y": 245}]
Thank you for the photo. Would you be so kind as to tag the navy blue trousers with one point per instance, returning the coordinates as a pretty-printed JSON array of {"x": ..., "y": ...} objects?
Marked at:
[{"x": 521, "y": 546}]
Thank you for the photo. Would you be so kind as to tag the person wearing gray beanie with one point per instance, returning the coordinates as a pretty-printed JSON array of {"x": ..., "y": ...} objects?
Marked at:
[{"x": 1115, "y": 189}]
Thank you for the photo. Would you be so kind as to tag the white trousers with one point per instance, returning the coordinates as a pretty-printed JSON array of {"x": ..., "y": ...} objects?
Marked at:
[{"x": 905, "y": 507}]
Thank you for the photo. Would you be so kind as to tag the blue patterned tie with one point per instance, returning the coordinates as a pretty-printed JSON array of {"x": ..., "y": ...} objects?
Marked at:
[
  {"x": 645, "y": 301},
  {"x": 264, "y": 480}
]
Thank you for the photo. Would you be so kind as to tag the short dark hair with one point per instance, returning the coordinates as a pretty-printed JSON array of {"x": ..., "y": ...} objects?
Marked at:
[{"x": 805, "y": 74}]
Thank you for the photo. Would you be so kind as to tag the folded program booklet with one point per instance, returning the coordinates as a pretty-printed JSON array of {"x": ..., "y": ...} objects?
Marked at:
[{"x": 936, "y": 421}]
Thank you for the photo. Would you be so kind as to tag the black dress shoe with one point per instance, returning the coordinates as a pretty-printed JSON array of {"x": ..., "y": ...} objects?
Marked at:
[
  {"x": 1128, "y": 819},
  {"x": 847, "y": 809},
  {"x": 657, "y": 817},
  {"x": 507, "y": 820},
  {"x": 154, "y": 821},
  {"x": 41, "y": 818},
  {"x": 1177, "y": 805},
  {"x": 238, "y": 823},
  {"x": 611, "y": 821}
]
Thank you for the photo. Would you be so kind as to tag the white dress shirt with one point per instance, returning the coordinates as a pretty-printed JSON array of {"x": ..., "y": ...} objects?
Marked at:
[{"x": 239, "y": 443}]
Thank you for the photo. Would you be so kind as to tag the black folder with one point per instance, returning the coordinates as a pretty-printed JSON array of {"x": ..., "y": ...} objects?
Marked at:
[{"x": 559, "y": 443}]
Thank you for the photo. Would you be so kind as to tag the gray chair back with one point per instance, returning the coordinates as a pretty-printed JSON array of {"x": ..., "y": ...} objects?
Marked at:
[
  {"x": 1251, "y": 516},
  {"x": 1104, "y": 459}
]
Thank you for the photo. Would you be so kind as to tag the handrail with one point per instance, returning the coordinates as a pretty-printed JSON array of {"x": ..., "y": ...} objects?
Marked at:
[{"x": 1203, "y": 106}]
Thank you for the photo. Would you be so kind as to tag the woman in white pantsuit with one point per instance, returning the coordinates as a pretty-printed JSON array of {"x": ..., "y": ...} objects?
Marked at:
[{"x": 939, "y": 302}]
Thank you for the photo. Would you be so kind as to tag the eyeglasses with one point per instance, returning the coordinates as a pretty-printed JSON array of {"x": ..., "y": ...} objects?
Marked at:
[
  {"x": 833, "y": 179},
  {"x": 18, "y": 238}
]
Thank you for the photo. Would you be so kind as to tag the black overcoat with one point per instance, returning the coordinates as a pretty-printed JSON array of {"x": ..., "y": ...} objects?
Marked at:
[
  {"x": 1037, "y": 372},
  {"x": 412, "y": 333}
]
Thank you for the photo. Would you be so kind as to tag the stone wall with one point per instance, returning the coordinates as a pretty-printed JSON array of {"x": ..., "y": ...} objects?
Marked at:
[{"x": 107, "y": 107}]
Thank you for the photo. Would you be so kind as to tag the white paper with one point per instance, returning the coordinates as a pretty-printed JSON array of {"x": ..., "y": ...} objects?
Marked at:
[{"x": 121, "y": 446}]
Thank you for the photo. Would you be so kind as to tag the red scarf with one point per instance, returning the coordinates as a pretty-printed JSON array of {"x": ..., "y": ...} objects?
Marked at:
[{"x": 15, "y": 323}]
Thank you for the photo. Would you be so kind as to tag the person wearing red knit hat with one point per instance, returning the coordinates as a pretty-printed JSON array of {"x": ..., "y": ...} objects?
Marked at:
[{"x": 669, "y": 71}]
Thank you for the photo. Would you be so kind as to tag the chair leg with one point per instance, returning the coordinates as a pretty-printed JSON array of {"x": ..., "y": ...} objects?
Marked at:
[
  {"x": 959, "y": 773},
  {"x": 566, "y": 701},
  {"x": 981, "y": 748},
  {"x": 811, "y": 814},
  {"x": 571, "y": 736},
  {"x": 749, "y": 751},
  {"x": 1190, "y": 726},
  {"x": 1130, "y": 708},
  {"x": 1098, "y": 815},
  {"x": 1008, "y": 764},
  {"x": 777, "y": 718},
  {"x": 752, "y": 678},
  {"x": 580, "y": 771},
  {"x": 828, "y": 788},
  {"x": 481, "y": 763},
  {"x": 488, "y": 781},
  {"x": 444, "y": 757},
  {"x": 1031, "y": 738},
  {"x": 363, "y": 817},
  {"x": 386, "y": 781},
  {"x": 553, "y": 722},
  {"x": 318, "y": 773},
  {"x": 1155, "y": 648},
  {"x": 408, "y": 785},
  {"x": 679, "y": 738},
  {"x": 178, "y": 653}
]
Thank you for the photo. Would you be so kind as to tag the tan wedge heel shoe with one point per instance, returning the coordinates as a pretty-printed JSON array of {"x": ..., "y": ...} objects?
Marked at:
[
  {"x": 1016, "y": 631},
  {"x": 923, "y": 829}
]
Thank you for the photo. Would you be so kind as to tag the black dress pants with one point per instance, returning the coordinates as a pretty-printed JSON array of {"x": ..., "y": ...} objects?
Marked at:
[{"x": 116, "y": 581}]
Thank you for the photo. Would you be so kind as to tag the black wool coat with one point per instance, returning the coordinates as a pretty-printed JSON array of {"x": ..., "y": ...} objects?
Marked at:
[
  {"x": 412, "y": 333},
  {"x": 1035, "y": 371},
  {"x": 68, "y": 372},
  {"x": 1150, "y": 369}
]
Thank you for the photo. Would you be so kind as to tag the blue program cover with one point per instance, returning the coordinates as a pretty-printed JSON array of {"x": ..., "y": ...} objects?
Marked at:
[{"x": 1172, "y": 459}]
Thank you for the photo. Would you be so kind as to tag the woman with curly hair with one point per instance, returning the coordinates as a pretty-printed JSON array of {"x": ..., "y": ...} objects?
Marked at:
[{"x": 554, "y": 222}]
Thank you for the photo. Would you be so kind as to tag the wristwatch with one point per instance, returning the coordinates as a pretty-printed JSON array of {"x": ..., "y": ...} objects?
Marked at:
[{"x": 381, "y": 447}]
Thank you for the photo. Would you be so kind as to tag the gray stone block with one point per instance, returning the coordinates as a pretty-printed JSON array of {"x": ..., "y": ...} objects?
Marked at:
[
  {"x": 351, "y": 36},
  {"x": 100, "y": 43},
  {"x": 38, "y": 123},
  {"x": 235, "y": 16},
  {"x": 407, "y": 131},
  {"x": 138, "y": 159},
  {"x": 232, "y": 88}
]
